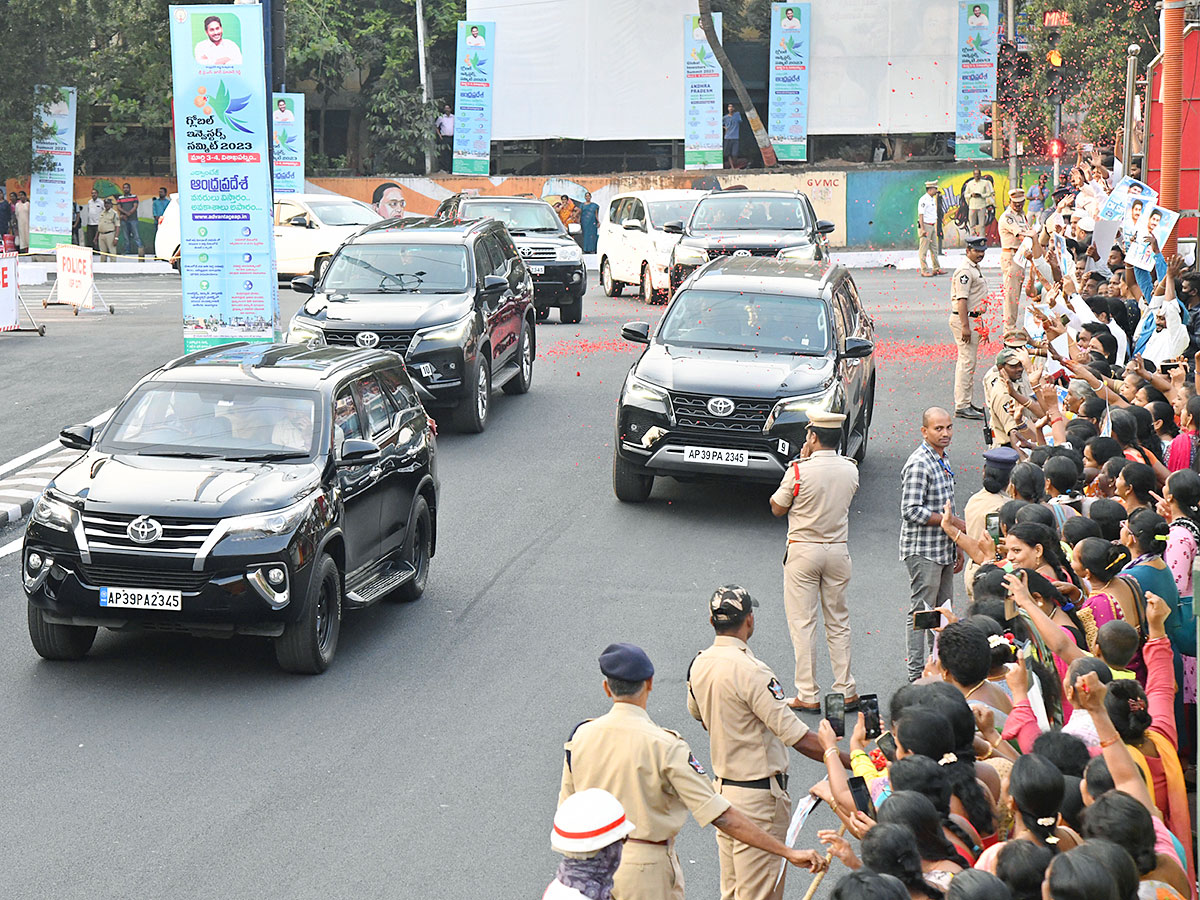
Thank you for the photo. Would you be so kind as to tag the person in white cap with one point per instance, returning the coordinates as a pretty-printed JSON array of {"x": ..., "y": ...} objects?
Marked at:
[
  {"x": 928, "y": 212},
  {"x": 1013, "y": 227},
  {"x": 590, "y": 829}
]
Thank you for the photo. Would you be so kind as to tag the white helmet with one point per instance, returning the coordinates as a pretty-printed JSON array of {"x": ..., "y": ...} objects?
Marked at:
[{"x": 589, "y": 821}]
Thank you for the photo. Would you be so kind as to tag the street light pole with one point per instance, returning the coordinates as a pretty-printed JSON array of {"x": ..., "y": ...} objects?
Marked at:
[
  {"x": 421, "y": 64},
  {"x": 1057, "y": 133},
  {"x": 1012, "y": 120},
  {"x": 1130, "y": 85}
]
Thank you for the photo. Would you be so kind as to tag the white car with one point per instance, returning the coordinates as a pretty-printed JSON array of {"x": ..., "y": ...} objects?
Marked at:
[
  {"x": 632, "y": 246},
  {"x": 307, "y": 226}
]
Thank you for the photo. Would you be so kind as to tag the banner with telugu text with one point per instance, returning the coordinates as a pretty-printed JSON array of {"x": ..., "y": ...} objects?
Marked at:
[
  {"x": 287, "y": 129},
  {"x": 702, "y": 87},
  {"x": 977, "y": 48},
  {"x": 787, "y": 101},
  {"x": 226, "y": 219},
  {"x": 473, "y": 84},
  {"x": 51, "y": 194}
]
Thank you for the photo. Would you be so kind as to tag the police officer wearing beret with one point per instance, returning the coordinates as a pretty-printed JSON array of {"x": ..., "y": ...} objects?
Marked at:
[
  {"x": 652, "y": 772},
  {"x": 998, "y": 464},
  {"x": 968, "y": 290},
  {"x": 740, "y": 702}
]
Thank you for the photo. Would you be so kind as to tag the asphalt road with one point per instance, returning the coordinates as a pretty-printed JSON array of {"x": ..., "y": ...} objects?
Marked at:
[{"x": 426, "y": 762}]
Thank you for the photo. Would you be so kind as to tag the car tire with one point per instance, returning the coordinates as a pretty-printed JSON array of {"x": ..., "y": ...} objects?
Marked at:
[
  {"x": 417, "y": 553},
  {"x": 471, "y": 414},
  {"x": 611, "y": 287},
  {"x": 59, "y": 642},
  {"x": 646, "y": 285},
  {"x": 860, "y": 455},
  {"x": 526, "y": 353},
  {"x": 572, "y": 313},
  {"x": 630, "y": 484},
  {"x": 307, "y": 645}
]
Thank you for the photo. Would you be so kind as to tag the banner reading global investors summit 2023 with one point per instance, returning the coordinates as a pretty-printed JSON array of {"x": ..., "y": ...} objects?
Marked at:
[
  {"x": 787, "y": 107},
  {"x": 287, "y": 126},
  {"x": 977, "y": 49},
  {"x": 701, "y": 97},
  {"x": 227, "y": 239},
  {"x": 473, "y": 98},
  {"x": 51, "y": 186}
]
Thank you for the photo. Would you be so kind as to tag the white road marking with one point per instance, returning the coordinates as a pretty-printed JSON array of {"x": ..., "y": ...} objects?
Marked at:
[
  {"x": 11, "y": 547},
  {"x": 9, "y": 493}
]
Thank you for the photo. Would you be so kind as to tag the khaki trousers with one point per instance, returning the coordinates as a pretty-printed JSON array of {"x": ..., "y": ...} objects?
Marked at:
[
  {"x": 648, "y": 872},
  {"x": 1012, "y": 276},
  {"x": 977, "y": 219},
  {"x": 925, "y": 248},
  {"x": 815, "y": 576},
  {"x": 108, "y": 242},
  {"x": 748, "y": 873},
  {"x": 964, "y": 368}
]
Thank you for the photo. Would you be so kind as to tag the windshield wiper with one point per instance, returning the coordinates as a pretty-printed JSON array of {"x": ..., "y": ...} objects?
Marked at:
[
  {"x": 263, "y": 457},
  {"x": 179, "y": 454},
  {"x": 542, "y": 229}
]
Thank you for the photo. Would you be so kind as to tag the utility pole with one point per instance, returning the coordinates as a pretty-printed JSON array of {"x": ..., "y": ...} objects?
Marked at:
[
  {"x": 424, "y": 74},
  {"x": 1012, "y": 121},
  {"x": 1130, "y": 85},
  {"x": 1172, "y": 102}
]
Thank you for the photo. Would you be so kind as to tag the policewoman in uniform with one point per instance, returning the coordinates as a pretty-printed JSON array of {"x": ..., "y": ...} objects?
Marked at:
[
  {"x": 815, "y": 495},
  {"x": 652, "y": 772},
  {"x": 589, "y": 830},
  {"x": 739, "y": 701},
  {"x": 968, "y": 291},
  {"x": 1012, "y": 225}
]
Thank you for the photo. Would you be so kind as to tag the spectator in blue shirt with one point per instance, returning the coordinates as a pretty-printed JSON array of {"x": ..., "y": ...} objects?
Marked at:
[
  {"x": 732, "y": 124},
  {"x": 158, "y": 206}
]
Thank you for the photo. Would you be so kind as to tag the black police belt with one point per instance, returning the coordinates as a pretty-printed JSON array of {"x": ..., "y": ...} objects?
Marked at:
[
  {"x": 975, "y": 314},
  {"x": 763, "y": 784}
]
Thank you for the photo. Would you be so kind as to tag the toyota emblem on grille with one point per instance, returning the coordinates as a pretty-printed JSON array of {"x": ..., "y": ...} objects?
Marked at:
[
  {"x": 741, "y": 252},
  {"x": 144, "y": 530},
  {"x": 720, "y": 406},
  {"x": 526, "y": 251},
  {"x": 367, "y": 339}
]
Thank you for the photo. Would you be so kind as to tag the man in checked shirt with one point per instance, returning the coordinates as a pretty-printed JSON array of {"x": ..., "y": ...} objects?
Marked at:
[{"x": 927, "y": 485}]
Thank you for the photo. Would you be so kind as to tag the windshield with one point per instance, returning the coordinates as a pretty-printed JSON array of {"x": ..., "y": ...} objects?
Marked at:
[
  {"x": 219, "y": 421},
  {"x": 734, "y": 213},
  {"x": 722, "y": 320},
  {"x": 517, "y": 216},
  {"x": 670, "y": 210},
  {"x": 344, "y": 212},
  {"x": 398, "y": 268}
]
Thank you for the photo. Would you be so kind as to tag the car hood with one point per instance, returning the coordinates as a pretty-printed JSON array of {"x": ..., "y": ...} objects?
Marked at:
[
  {"x": 184, "y": 488},
  {"x": 533, "y": 238},
  {"x": 758, "y": 239},
  {"x": 740, "y": 374},
  {"x": 404, "y": 311}
]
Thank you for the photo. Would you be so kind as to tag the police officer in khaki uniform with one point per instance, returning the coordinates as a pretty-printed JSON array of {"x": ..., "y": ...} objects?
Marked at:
[
  {"x": 815, "y": 495},
  {"x": 1012, "y": 225},
  {"x": 968, "y": 290},
  {"x": 653, "y": 773},
  {"x": 1006, "y": 415},
  {"x": 739, "y": 701}
]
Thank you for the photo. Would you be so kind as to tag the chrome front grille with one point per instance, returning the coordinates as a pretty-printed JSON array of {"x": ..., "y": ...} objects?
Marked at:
[
  {"x": 538, "y": 253},
  {"x": 394, "y": 340},
  {"x": 748, "y": 416},
  {"x": 108, "y": 533}
]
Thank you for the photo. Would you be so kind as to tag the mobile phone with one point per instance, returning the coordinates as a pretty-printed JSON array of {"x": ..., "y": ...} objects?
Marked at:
[
  {"x": 862, "y": 796},
  {"x": 991, "y": 523},
  {"x": 1010, "y": 608},
  {"x": 868, "y": 705},
  {"x": 886, "y": 742},
  {"x": 1168, "y": 365},
  {"x": 835, "y": 713},
  {"x": 925, "y": 619}
]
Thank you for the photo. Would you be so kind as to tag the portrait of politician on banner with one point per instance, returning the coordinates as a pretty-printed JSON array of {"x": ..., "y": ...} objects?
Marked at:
[{"x": 218, "y": 43}]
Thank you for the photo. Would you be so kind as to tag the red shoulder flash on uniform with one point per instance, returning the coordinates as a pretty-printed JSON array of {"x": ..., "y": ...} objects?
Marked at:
[{"x": 796, "y": 486}]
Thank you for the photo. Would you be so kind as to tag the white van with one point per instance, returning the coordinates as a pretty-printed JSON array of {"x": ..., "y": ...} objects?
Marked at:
[{"x": 632, "y": 247}]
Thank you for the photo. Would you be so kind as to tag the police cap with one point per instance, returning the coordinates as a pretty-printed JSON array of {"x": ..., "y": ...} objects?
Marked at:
[
  {"x": 977, "y": 242},
  {"x": 1003, "y": 458},
  {"x": 626, "y": 662},
  {"x": 730, "y": 603},
  {"x": 826, "y": 419}
]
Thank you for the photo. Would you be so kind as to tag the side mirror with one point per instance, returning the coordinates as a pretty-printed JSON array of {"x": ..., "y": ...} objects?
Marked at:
[
  {"x": 633, "y": 225},
  {"x": 574, "y": 228},
  {"x": 300, "y": 221},
  {"x": 357, "y": 452},
  {"x": 673, "y": 228},
  {"x": 494, "y": 284},
  {"x": 302, "y": 284},
  {"x": 824, "y": 226},
  {"x": 77, "y": 437},
  {"x": 858, "y": 348},
  {"x": 638, "y": 332}
]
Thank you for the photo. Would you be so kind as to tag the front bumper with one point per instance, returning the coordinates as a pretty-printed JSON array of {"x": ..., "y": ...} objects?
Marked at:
[
  {"x": 560, "y": 281},
  {"x": 439, "y": 374}
]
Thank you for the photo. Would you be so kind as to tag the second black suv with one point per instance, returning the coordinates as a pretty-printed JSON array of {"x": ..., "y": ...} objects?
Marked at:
[
  {"x": 551, "y": 256},
  {"x": 245, "y": 489},
  {"x": 453, "y": 298},
  {"x": 747, "y": 223},
  {"x": 746, "y": 350}
]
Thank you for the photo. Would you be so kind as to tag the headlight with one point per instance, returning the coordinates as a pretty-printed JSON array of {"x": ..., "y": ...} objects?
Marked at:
[
  {"x": 688, "y": 256},
  {"x": 268, "y": 524},
  {"x": 569, "y": 253},
  {"x": 808, "y": 403},
  {"x": 444, "y": 334},
  {"x": 54, "y": 513},
  {"x": 803, "y": 251},
  {"x": 303, "y": 332},
  {"x": 645, "y": 395}
]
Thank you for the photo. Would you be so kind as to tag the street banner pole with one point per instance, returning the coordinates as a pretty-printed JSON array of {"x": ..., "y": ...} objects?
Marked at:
[
  {"x": 287, "y": 124},
  {"x": 51, "y": 194},
  {"x": 474, "y": 78},
  {"x": 1130, "y": 86},
  {"x": 222, "y": 151},
  {"x": 702, "y": 92},
  {"x": 787, "y": 105},
  {"x": 977, "y": 50}
]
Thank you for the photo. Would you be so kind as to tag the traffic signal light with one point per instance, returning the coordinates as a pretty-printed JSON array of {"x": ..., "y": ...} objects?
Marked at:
[
  {"x": 986, "y": 126},
  {"x": 1056, "y": 146},
  {"x": 1053, "y": 56}
]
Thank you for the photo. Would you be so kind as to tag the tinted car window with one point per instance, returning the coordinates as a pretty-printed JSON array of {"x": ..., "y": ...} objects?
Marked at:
[
  {"x": 345, "y": 417},
  {"x": 670, "y": 211},
  {"x": 849, "y": 314},
  {"x": 613, "y": 210},
  {"x": 635, "y": 210},
  {"x": 495, "y": 253},
  {"x": 375, "y": 403},
  {"x": 396, "y": 383},
  {"x": 741, "y": 321}
]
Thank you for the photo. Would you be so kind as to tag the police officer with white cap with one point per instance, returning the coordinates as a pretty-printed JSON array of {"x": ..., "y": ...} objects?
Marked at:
[
  {"x": 968, "y": 291},
  {"x": 589, "y": 830},
  {"x": 815, "y": 495},
  {"x": 740, "y": 702},
  {"x": 1013, "y": 226},
  {"x": 652, "y": 772}
]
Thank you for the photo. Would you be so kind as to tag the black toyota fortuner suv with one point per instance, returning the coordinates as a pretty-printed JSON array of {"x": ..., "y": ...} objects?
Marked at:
[
  {"x": 245, "y": 489},
  {"x": 747, "y": 348},
  {"x": 452, "y": 297},
  {"x": 551, "y": 256},
  {"x": 747, "y": 223}
]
